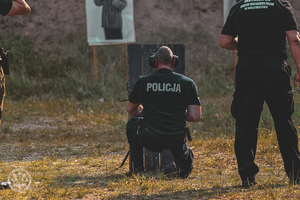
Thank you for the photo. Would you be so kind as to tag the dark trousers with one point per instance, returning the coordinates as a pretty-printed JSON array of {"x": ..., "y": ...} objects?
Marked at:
[
  {"x": 261, "y": 79},
  {"x": 177, "y": 145},
  {"x": 113, "y": 34}
]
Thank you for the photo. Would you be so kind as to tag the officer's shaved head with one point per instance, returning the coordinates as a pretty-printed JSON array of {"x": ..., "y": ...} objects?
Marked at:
[{"x": 164, "y": 55}]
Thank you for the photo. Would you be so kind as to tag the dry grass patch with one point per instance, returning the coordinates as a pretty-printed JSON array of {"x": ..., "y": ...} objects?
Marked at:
[{"x": 71, "y": 149}]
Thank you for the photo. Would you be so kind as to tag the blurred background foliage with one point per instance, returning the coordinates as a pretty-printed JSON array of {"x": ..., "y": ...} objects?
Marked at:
[{"x": 63, "y": 68}]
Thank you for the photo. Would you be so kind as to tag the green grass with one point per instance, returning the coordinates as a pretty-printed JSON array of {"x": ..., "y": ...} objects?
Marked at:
[{"x": 70, "y": 142}]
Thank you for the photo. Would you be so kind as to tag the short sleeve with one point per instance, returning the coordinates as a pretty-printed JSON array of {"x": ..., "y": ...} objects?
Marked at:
[
  {"x": 134, "y": 95},
  {"x": 289, "y": 18},
  {"x": 194, "y": 97},
  {"x": 5, "y": 6},
  {"x": 229, "y": 27}
]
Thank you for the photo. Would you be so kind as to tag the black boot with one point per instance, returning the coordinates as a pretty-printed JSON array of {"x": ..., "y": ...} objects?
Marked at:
[
  {"x": 169, "y": 165},
  {"x": 248, "y": 181},
  {"x": 4, "y": 185},
  {"x": 137, "y": 170}
]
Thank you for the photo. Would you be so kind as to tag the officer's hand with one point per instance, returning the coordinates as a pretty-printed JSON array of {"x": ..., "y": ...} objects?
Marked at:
[{"x": 297, "y": 80}]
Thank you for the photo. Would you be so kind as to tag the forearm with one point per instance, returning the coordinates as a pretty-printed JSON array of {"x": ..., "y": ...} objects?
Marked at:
[
  {"x": 22, "y": 3},
  {"x": 120, "y": 4},
  {"x": 193, "y": 113},
  {"x": 188, "y": 117},
  {"x": 233, "y": 45},
  {"x": 228, "y": 42},
  {"x": 295, "y": 49},
  {"x": 99, "y": 2},
  {"x": 19, "y": 7}
]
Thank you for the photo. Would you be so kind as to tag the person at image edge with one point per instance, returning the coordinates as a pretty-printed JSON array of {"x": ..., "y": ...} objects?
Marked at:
[{"x": 258, "y": 30}]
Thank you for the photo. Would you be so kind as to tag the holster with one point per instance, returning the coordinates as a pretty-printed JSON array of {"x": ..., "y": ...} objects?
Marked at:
[
  {"x": 188, "y": 134},
  {"x": 4, "y": 61}
]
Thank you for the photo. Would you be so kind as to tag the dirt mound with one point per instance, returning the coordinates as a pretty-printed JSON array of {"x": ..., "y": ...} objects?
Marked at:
[{"x": 51, "y": 18}]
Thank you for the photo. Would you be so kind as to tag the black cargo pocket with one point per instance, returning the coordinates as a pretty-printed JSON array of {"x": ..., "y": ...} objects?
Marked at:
[
  {"x": 281, "y": 66},
  {"x": 281, "y": 77},
  {"x": 283, "y": 81}
]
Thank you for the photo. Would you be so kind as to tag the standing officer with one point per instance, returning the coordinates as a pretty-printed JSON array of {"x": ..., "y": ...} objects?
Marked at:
[
  {"x": 9, "y": 7},
  {"x": 166, "y": 100},
  {"x": 262, "y": 74}
]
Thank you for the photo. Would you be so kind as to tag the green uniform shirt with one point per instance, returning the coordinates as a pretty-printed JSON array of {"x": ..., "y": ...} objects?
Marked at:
[{"x": 165, "y": 96}]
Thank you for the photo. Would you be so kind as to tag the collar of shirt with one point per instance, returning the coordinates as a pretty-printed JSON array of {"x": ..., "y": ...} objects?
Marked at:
[{"x": 164, "y": 70}]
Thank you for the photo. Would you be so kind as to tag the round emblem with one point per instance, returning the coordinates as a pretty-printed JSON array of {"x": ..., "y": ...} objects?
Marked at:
[{"x": 20, "y": 180}]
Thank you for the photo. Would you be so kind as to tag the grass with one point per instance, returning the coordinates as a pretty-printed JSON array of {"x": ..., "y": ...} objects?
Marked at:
[
  {"x": 71, "y": 142},
  {"x": 71, "y": 149}
]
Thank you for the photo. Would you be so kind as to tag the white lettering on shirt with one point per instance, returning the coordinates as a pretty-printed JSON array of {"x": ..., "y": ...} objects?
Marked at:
[
  {"x": 164, "y": 87},
  {"x": 256, "y": 4},
  {"x": 168, "y": 85},
  {"x": 154, "y": 87}
]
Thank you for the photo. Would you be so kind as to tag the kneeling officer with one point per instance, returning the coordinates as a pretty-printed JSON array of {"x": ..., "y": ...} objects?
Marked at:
[{"x": 161, "y": 103}]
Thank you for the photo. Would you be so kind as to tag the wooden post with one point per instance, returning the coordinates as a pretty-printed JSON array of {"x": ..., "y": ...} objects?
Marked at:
[
  {"x": 126, "y": 78},
  {"x": 95, "y": 63},
  {"x": 134, "y": 63}
]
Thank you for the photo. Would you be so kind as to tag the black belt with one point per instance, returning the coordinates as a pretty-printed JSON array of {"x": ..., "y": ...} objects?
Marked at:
[{"x": 160, "y": 134}]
